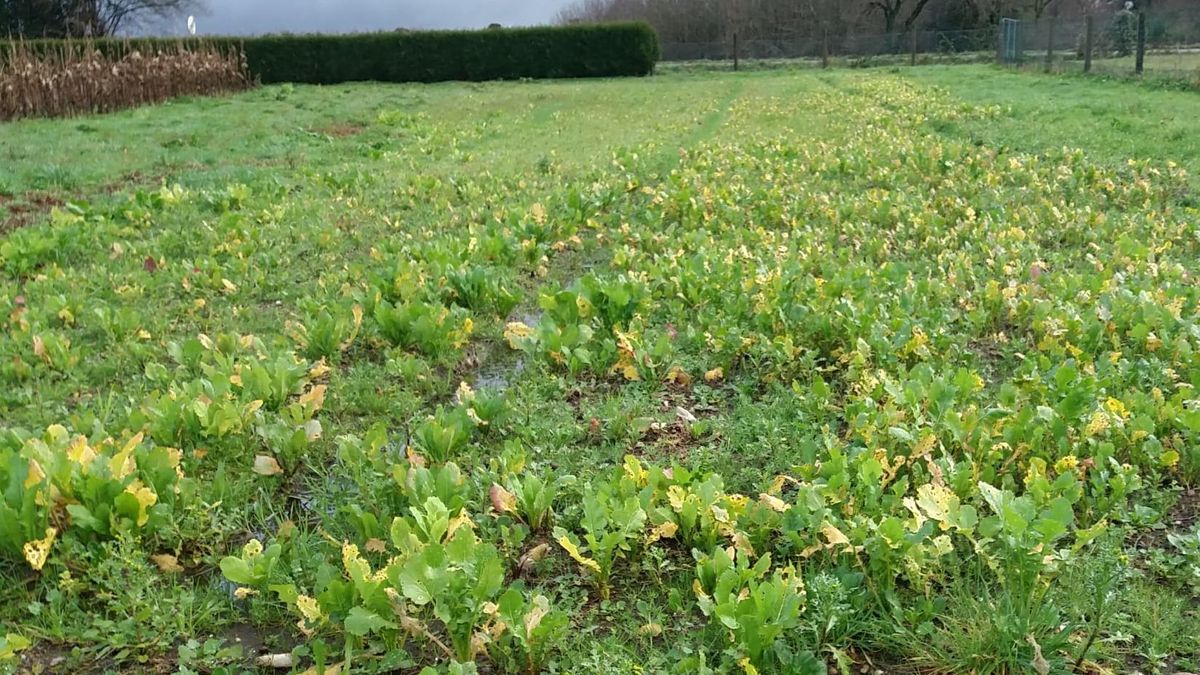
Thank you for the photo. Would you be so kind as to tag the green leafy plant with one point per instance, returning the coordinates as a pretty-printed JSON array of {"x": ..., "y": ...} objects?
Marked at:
[{"x": 611, "y": 525}]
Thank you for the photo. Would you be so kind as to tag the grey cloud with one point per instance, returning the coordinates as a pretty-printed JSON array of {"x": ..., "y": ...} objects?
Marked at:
[{"x": 251, "y": 17}]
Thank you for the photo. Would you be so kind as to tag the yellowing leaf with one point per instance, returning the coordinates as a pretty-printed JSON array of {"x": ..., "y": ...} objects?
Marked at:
[
  {"x": 666, "y": 530},
  {"x": 503, "y": 501},
  {"x": 35, "y": 475},
  {"x": 320, "y": 369},
  {"x": 573, "y": 551},
  {"x": 313, "y": 399},
  {"x": 541, "y": 607},
  {"x": 81, "y": 453},
  {"x": 516, "y": 333},
  {"x": 714, "y": 375},
  {"x": 38, "y": 551},
  {"x": 463, "y": 519},
  {"x": 775, "y": 503},
  {"x": 39, "y": 349},
  {"x": 167, "y": 563},
  {"x": 122, "y": 464},
  {"x": 309, "y": 608},
  {"x": 357, "y": 312},
  {"x": 265, "y": 465},
  {"x": 679, "y": 376},
  {"x": 833, "y": 535},
  {"x": 634, "y": 471},
  {"x": 1169, "y": 459},
  {"x": 145, "y": 497}
]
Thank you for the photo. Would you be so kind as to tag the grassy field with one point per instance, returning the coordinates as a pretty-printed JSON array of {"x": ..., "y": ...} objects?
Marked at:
[{"x": 794, "y": 372}]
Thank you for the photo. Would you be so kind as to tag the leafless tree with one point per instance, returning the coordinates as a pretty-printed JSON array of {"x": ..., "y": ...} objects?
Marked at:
[
  {"x": 892, "y": 10},
  {"x": 110, "y": 17}
]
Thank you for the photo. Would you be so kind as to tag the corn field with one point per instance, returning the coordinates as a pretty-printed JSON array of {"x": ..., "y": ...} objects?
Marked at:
[{"x": 72, "y": 79}]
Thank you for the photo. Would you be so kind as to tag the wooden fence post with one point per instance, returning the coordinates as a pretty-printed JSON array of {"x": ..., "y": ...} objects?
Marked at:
[
  {"x": 913, "y": 60},
  {"x": 735, "y": 51},
  {"x": 1089, "y": 36},
  {"x": 825, "y": 49},
  {"x": 1141, "y": 44}
]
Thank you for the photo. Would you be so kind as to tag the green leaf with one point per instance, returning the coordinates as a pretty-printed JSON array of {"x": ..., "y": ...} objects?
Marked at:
[
  {"x": 12, "y": 643},
  {"x": 237, "y": 570},
  {"x": 361, "y": 621},
  {"x": 82, "y": 517}
]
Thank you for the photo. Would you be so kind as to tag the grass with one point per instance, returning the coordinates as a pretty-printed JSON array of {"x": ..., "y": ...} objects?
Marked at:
[{"x": 740, "y": 276}]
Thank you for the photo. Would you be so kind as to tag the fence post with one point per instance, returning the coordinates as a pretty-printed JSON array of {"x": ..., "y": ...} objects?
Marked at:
[
  {"x": 1090, "y": 24},
  {"x": 1141, "y": 44},
  {"x": 825, "y": 48},
  {"x": 1050, "y": 44},
  {"x": 735, "y": 51}
]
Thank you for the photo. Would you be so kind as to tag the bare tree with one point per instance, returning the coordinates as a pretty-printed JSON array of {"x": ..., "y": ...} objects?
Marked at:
[
  {"x": 109, "y": 17},
  {"x": 892, "y": 10},
  {"x": 1039, "y": 7},
  {"x": 86, "y": 18}
]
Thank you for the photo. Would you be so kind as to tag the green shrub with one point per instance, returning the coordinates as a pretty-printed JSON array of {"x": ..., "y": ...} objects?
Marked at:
[{"x": 602, "y": 50}]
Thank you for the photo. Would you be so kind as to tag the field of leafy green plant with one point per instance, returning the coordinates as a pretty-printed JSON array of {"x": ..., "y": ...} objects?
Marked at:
[{"x": 703, "y": 373}]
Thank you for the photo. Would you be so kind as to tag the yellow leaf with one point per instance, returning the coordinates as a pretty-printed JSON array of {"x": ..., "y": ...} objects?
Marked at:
[
  {"x": 833, "y": 535},
  {"x": 679, "y": 376},
  {"x": 122, "y": 464},
  {"x": 38, "y": 551},
  {"x": 516, "y": 333},
  {"x": 742, "y": 543},
  {"x": 265, "y": 465},
  {"x": 36, "y": 475},
  {"x": 376, "y": 545},
  {"x": 11, "y": 644},
  {"x": 634, "y": 470},
  {"x": 309, "y": 608},
  {"x": 463, "y": 519},
  {"x": 39, "y": 348},
  {"x": 747, "y": 667},
  {"x": 573, "y": 551},
  {"x": 714, "y": 375},
  {"x": 666, "y": 530},
  {"x": 775, "y": 503},
  {"x": 313, "y": 399},
  {"x": 167, "y": 563},
  {"x": 357, "y": 311},
  {"x": 651, "y": 629},
  {"x": 81, "y": 453},
  {"x": 320, "y": 369},
  {"x": 145, "y": 498}
]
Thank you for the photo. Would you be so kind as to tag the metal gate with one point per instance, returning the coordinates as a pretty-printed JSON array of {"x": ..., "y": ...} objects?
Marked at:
[{"x": 1010, "y": 41}]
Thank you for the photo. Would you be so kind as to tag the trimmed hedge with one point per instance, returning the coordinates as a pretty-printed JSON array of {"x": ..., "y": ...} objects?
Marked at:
[{"x": 594, "y": 50}]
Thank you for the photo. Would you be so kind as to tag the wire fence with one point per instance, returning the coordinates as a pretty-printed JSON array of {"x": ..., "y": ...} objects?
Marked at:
[{"x": 1168, "y": 43}]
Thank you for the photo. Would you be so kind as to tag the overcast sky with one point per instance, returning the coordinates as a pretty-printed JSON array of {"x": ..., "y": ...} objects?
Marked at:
[{"x": 250, "y": 17}]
